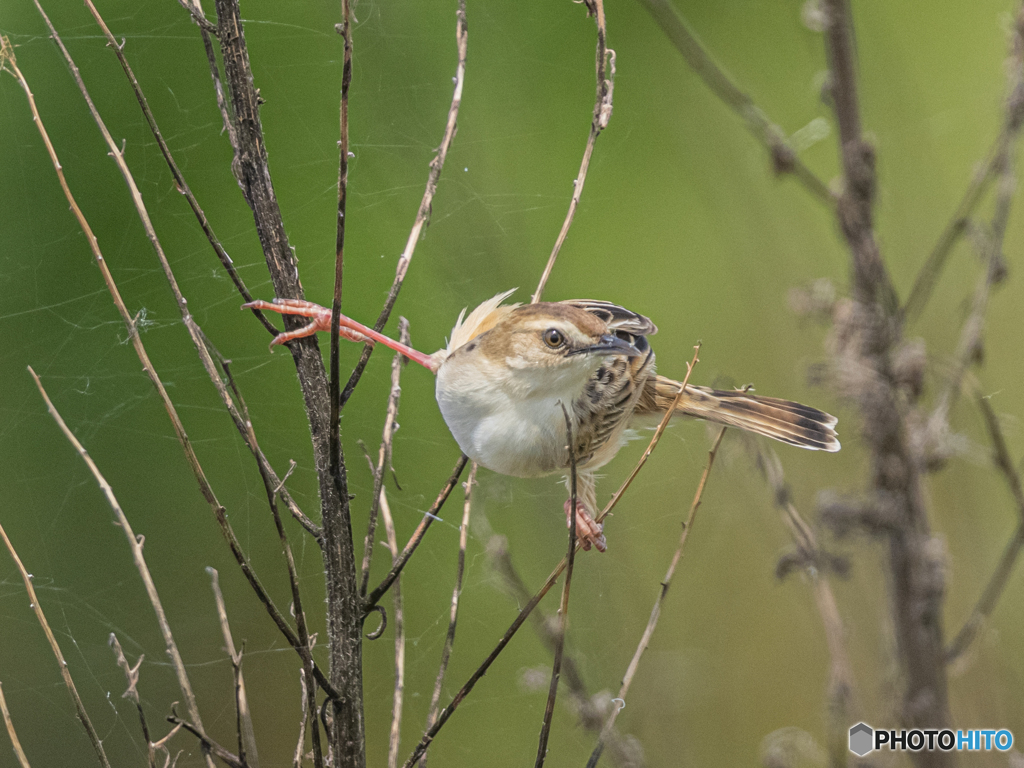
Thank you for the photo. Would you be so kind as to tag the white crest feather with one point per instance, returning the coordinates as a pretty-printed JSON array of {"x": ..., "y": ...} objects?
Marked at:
[{"x": 468, "y": 327}]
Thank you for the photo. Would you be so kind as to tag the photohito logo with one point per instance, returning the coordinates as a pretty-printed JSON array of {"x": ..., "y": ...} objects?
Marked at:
[{"x": 865, "y": 739}]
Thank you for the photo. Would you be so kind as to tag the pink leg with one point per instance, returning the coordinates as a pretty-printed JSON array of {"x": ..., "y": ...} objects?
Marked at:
[
  {"x": 588, "y": 532},
  {"x": 321, "y": 321}
]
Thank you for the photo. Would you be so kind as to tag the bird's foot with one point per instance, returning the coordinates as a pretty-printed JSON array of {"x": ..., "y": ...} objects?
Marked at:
[{"x": 588, "y": 531}]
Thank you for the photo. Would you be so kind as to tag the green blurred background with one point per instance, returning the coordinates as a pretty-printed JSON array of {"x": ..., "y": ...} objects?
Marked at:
[{"x": 681, "y": 219}]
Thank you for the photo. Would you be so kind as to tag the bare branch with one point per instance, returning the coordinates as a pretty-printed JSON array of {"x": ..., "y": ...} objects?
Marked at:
[
  {"x": 246, "y": 736},
  {"x": 997, "y": 582},
  {"x": 652, "y": 622},
  {"x": 384, "y": 454},
  {"x": 602, "y": 114},
  {"x": 18, "y": 751},
  {"x": 396, "y": 597},
  {"x": 132, "y": 692},
  {"x": 135, "y": 543},
  {"x": 209, "y": 745},
  {"x": 449, "y": 639},
  {"x": 417, "y": 536},
  {"x": 784, "y": 157},
  {"x": 563, "y": 611}
]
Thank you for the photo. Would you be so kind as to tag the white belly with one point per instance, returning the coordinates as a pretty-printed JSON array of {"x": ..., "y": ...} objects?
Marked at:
[{"x": 502, "y": 427}]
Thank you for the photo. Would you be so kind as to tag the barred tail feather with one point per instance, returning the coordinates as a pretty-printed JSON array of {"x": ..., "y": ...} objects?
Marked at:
[{"x": 784, "y": 420}]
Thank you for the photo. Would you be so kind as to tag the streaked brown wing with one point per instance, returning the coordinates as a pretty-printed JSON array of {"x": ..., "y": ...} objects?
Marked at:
[{"x": 619, "y": 319}]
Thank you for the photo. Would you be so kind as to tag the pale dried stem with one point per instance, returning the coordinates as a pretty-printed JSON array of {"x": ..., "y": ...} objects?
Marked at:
[
  {"x": 605, "y": 60},
  {"x": 9, "y": 723},
  {"x": 132, "y": 692},
  {"x": 384, "y": 453},
  {"x": 399, "y": 621},
  {"x": 243, "y": 720},
  {"x": 652, "y": 622},
  {"x": 417, "y": 536},
  {"x": 135, "y": 544},
  {"x": 306, "y": 715},
  {"x": 563, "y": 609},
  {"x": 449, "y": 639},
  {"x": 423, "y": 213}
]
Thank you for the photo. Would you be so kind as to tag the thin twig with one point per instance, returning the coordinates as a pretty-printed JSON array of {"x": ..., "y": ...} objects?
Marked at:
[
  {"x": 1000, "y": 575},
  {"x": 399, "y": 614},
  {"x": 307, "y": 714},
  {"x": 662, "y": 425},
  {"x": 179, "y": 178},
  {"x": 784, "y": 157},
  {"x": 652, "y": 622},
  {"x": 971, "y": 342},
  {"x": 243, "y": 720},
  {"x": 417, "y": 536},
  {"x": 605, "y": 61},
  {"x": 932, "y": 268},
  {"x": 590, "y": 710},
  {"x": 61, "y": 663},
  {"x": 135, "y": 544},
  {"x": 423, "y": 213},
  {"x": 525, "y": 612},
  {"x": 335, "y": 453},
  {"x": 209, "y": 745},
  {"x": 384, "y": 454},
  {"x": 9, "y": 723},
  {"x": 563, "y": 610},
  {"x": 132, "y": 692},
  {"x": 197, "y": 16},
  {"x": 449, "y": 638}
]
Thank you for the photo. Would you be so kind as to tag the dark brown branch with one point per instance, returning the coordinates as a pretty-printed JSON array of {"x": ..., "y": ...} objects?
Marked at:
[
  {"x": 344, "y": 618},
  {"x": 423, "y": 214},
  {"x": 915, "y": 578},
  {"x": 605, "y": 61},
  {"x": 997, "y": 582},
  {"x": 417, "y": 536},
  {"x": 209, "y": 745},
  {"x": 9, "y": 724},
  {"x": 563, "y": 611},
  {"x": 652, "y": 622},
  {"x": 449, "y": 638},
  {"x": 784, "y": 157}
]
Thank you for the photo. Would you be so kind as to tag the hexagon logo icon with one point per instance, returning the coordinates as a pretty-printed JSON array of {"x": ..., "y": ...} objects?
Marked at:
[{"x": 861, "y": 739}]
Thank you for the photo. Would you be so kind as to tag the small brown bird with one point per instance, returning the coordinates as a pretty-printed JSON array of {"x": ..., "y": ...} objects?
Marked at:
[{"x": 507, "y": 371}]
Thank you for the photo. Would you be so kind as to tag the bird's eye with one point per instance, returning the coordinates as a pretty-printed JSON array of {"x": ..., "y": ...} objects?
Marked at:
[{"x": 554, "y": 338}]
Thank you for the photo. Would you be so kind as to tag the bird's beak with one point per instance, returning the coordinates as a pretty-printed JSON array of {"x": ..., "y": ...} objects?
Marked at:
[{"x": 611, "y": 345}]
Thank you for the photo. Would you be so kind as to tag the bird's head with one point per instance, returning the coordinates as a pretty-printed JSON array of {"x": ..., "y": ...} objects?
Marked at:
[{"x": 550, "y": 346}]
